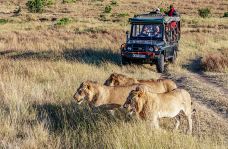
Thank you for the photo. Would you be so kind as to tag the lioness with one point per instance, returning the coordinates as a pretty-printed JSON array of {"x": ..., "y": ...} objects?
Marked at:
[
  {"x": 159, "y": 86},
  {"x": 101, "y": 95},
  {"x": 152, "y": 106}
]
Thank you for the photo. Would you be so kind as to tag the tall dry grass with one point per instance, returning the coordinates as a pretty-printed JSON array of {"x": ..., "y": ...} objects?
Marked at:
[
  {"x": 42, "y": 65},
  {"x": 216, "y": 62}
]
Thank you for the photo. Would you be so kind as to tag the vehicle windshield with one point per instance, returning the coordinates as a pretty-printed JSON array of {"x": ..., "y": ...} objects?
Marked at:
[{"x": 147, "y": 31}]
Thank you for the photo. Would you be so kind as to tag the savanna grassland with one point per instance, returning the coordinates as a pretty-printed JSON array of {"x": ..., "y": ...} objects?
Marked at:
[{"x": 45, "y": 56}]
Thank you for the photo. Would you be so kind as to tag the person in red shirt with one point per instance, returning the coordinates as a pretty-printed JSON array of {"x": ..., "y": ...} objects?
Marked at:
[{"x": 172, "y": 11}]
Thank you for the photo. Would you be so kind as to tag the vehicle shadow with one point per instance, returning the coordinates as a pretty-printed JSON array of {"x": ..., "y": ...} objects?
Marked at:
[
  {"x": 88, "y": 56},
  {"x": 60, "y": 117},
  {"x": 194, "y": 65}
]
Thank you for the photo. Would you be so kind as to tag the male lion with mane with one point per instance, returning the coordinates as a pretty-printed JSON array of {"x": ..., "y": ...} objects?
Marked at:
[
  {"x": 152, "y": 106},
  {"x": 159, "y": 86}
]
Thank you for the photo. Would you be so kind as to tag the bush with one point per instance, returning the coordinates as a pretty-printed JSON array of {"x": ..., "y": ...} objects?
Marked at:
[
  {"x": 108, "y": 9},
  {"x": 225, "y": 14},
  {"x": 38, "y": 5},
  {"x": 63, "y": 21},
  {"x": 215, "y": 62},
  {"x": 204, "y": 12},
  {"x": 3, "y": 21}
]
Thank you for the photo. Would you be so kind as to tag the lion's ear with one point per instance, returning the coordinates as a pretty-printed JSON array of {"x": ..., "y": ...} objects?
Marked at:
[
  {"x": 139, "y": 88},
  {"x": 113, "y": 76},
  {"x": 140, "y": 94},
  {"x": 88, "y": 87}
]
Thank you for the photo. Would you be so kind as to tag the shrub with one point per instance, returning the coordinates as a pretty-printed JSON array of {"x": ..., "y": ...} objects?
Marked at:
[
  {"x": 108, "y": 9},
  {"x": 225, "y": 14},
  {"x": 215, "y": 62},
  {"x": 204, "y": 12},
  {"x": 3, "y": 21},
  {"x": 38, "y": 5},
  {"x": 63, "y": 21}
]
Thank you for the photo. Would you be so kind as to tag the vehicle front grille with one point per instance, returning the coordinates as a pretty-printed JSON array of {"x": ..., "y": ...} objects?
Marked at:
[{"x": 138, "y": 48}]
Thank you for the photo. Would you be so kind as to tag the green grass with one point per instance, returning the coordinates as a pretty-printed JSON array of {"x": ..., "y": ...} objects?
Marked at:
[
  {"x": 3, "y": 21},
  {"x": 63, "y": 21}
]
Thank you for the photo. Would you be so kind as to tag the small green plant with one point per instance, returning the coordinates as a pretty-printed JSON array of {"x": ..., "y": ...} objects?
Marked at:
[
  {"x": 204, "y": 12},
  {"x": 122, "y": 15},
  {"x": 69, "y": 1},
  {"x": 38, "y": 5},
  {"x": 114, "y": 2},
  {"x": 3, "y": 21},
  {"x": 63, "y": 21},
  {"x": 162, "y": 10},
  {"x": 225, "y": 14},
  {"x": 108, "y": 9}
]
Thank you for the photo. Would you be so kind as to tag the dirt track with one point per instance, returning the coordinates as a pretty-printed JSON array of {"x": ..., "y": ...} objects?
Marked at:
[{"x": 209, "y": 99}]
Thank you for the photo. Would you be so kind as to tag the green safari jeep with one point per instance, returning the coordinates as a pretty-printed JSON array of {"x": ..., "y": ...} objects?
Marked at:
[{"x": 153, "y": 39}]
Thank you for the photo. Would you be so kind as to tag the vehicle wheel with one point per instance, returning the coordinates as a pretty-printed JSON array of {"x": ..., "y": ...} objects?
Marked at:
[
  {"x": 160, "y": 65},
  {"x": 173, "y": 59},
  {"x": 125, "y": 61}
]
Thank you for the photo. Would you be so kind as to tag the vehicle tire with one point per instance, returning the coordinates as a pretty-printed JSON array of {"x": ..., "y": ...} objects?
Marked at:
[
  {"x": 125, "y": 61},
  {"x": 173, "y": 59},
  {"x": 160, "y": 65}
]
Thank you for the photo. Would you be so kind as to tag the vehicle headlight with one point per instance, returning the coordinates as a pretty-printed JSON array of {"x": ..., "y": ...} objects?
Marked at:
[
  {"x": 123, "y": 46},
  {"x": 156, "y": 48},
  {"x": 129, "y": 48},
  {"x": 151, "y": 49}
]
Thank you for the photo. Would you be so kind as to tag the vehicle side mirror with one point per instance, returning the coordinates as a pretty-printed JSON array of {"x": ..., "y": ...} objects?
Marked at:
[{"x": 127, "y": 35}]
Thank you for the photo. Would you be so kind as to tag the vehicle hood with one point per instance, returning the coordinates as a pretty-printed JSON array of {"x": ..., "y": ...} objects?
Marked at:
[{"x": 147, "y": 42}]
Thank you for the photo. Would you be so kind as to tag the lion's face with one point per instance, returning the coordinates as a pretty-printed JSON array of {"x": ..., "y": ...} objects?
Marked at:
[
  {"x": 84, "y": 92},
  {"x": 115, "y": 80},
  {"x": 133, "y": 102}
]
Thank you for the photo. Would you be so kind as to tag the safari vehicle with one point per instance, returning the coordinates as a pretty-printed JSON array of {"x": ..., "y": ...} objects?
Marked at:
[{"x": 153, "y": 39}]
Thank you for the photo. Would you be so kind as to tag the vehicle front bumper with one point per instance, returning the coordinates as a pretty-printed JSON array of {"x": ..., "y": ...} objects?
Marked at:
[{"x": 140, "y": 57}]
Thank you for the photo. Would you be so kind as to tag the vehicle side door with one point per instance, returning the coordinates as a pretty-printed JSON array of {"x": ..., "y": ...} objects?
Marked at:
[{"x": 168, "y": 40}]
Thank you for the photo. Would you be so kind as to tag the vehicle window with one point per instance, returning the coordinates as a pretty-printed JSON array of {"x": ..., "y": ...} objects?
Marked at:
[{"x": 150, "y": 31}]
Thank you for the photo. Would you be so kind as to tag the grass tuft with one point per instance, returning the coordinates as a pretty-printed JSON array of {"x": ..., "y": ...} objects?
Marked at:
[{"x": 216, "y": 62}]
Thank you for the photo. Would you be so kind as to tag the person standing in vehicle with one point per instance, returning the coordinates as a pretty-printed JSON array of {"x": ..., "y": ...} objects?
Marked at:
[{"x": 172, "y": 11}]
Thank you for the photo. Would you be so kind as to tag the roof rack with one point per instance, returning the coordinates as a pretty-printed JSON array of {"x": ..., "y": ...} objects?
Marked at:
[
  {"x": 153, "y": 17},
  {"x": 150, "y": 14}
]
